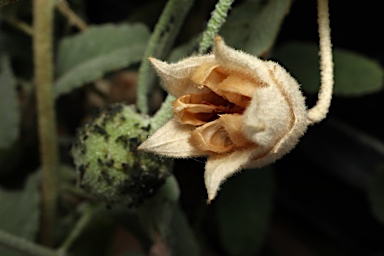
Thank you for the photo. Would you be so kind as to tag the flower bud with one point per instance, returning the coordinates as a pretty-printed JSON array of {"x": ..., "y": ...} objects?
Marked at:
[{"x": 109, "y": 165}]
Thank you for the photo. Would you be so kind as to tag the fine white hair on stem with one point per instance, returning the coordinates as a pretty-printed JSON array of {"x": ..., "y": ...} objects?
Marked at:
[{"x": 320, "y": 110}]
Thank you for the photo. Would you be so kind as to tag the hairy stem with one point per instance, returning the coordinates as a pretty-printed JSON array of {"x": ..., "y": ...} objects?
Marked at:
[
  {"x": 159, "y": 45},
  {"x": 26, "y": 247},
  {"x": 43, "y": 68},
  {"x": 320, "y": 110},
  {"x": 217, "y": 19}
]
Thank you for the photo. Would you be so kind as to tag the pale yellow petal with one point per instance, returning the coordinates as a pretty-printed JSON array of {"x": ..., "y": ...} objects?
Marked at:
[
  {"x": 237, "y": 89},
  {"x": 171, "y": 140},
  {"x": 176, "y": 76},
  {"x": 233, "y": 125},
  {"x": 221, "y": 166},
  {"x": 197, "y": 109},
  {"x": 205, "y": 70},
  {"x": 211, "y": 137}
]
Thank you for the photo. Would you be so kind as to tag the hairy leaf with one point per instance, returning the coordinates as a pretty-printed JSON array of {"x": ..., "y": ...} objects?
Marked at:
[
  {"x": 254, "y": 24},
  {"x": 9, "y": 109},
  {"x": 19, "y": 212},
  {"x": 88, "y": 56},
  {"x": 243, "y": 209},
  {"x": 355, "y": 74}
]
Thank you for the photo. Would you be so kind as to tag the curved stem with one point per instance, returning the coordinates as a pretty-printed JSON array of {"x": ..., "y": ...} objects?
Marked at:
[
  {"x": 214, "y": 24},
  {"x": 42, "y": 46},
  {"x": 159, "y": 45},
  {"x": 320, "y": 110},
  {"x": 26, "y": 247}
]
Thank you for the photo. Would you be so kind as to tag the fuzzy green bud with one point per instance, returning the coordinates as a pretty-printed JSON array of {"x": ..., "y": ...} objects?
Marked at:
[{"x": 109, "y": 164}]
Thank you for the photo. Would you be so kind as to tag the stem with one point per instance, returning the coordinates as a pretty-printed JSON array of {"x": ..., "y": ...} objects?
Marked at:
[
  {"x": 76, "y": 231},
  {"x": 26, "y": 247},
  {"x": 217, "y": 19},
  {"x": 72, "y": 17},
  {"x": 42, "y": 46},
  {"x": 159, "y": 45},
  {"x": 320, "y": 110}
]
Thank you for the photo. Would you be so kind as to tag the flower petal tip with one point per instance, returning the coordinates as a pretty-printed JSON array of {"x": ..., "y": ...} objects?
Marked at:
[{"x": 218, "y": 39}]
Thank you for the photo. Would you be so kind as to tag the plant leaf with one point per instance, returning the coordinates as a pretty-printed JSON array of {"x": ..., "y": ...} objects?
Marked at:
[
  {"x": 19, "y": 212},
  {"x": 254, "y": 25},
  {"x": 376, "y": 194},
  {"x": 9, "y": 109},
  {"x": 355, "y": 74},
  {"x": 88, "y": 56},
  {"x": 243, "y": 209}
]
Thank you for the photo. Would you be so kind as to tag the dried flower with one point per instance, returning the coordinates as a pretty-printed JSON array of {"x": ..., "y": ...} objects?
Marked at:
[{"x": 234, "y": 108}]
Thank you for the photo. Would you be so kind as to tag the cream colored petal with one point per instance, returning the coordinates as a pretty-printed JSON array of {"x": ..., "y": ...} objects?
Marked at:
[
  {"x": 237, "y": 61},
  {"x": 219, "y": 167},
  {"x": 211, "y": 137},
  {"x": 276, "y": 117},
  {"x": 176, "y": 76},
  {"x": 171, "y": 140},
  {"x": 293, "y": 95}
]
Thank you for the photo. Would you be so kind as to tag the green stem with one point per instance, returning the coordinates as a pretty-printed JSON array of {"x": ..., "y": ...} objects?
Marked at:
[
  {"x": 42, "y": 46},
  {"x": 76, "y": 231},
  {"x": 159, "y": 45},
  {"x": 26, "y": 247},
  {"x": 214, "y": 24}
]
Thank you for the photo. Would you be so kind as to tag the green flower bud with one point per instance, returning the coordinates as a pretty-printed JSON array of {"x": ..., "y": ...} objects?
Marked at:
[{"x": 109, "y": 164}]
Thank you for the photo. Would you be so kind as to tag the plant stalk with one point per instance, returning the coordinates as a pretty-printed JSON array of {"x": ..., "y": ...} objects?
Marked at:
[
  {"x": 320, "y": 110},
  {"x": 43, "y": 69},
  {"x": 218, "y": 17}
]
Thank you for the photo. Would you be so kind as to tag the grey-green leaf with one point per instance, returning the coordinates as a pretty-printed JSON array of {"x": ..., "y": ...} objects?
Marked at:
[
  {"x": 19, "y": 212},
  {"x": 9, "y": 108},
  {"x": 376, "y": 194},
  {"x": 254, "y": 24},
  {"x": 355, "y": 74},
  {"x": 88, "y": 56},
  {"x": 243, "y": 209}
]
